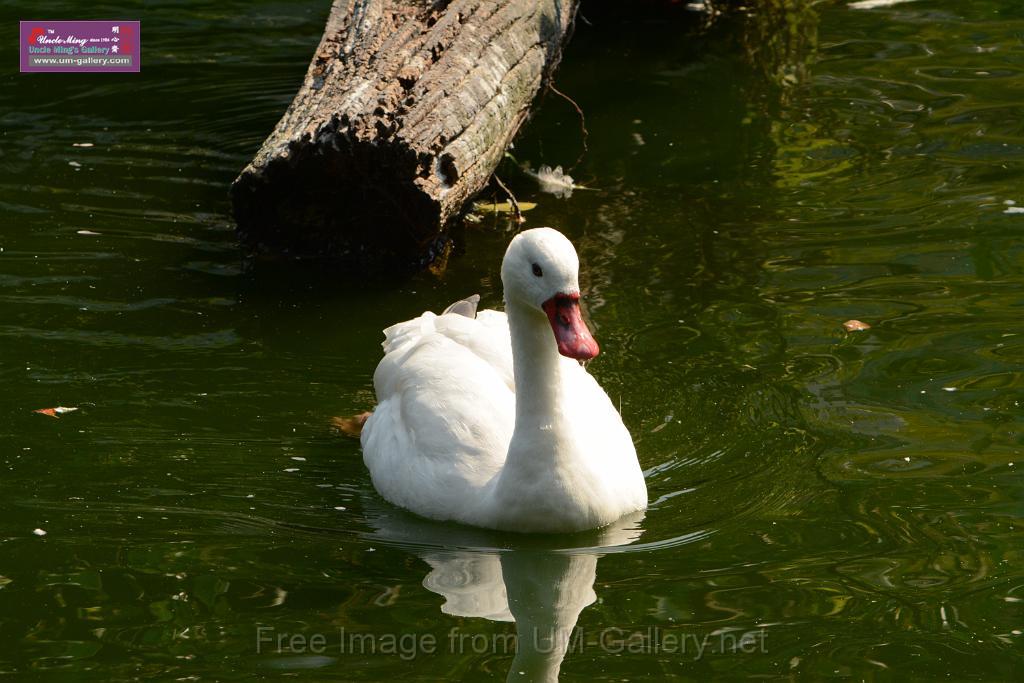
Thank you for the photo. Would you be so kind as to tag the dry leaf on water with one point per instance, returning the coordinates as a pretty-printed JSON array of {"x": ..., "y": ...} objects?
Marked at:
[
  {"x": 502, "y": 207},
  {"x": 876, "y": 4},
  {"x": 855, "y": 326},
  {"x": 56, "y": 411}
]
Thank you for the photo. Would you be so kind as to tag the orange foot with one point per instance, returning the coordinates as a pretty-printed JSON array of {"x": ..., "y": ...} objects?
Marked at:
[{"x": 351, "y": 426}]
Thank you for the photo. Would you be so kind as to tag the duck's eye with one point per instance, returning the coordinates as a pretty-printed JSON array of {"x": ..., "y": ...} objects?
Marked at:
[{"x": 537, "y": 271}]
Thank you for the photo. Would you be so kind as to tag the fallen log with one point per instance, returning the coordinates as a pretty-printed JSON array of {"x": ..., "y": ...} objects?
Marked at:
[{"x": 406, "y": 110}]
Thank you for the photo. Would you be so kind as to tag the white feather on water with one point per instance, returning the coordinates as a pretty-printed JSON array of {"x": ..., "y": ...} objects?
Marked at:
[
  {"x": 875, "y": 4},
  {"x": 554, "y": 181}
]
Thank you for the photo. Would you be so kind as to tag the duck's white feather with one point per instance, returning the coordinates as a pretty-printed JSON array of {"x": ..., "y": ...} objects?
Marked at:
[
  {"x": 446, "y": 411},
  {"x": 439, "y": 440}
]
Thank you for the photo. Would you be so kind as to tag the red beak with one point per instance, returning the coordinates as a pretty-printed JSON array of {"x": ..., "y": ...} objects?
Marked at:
[{"x": 571, "y": 333}]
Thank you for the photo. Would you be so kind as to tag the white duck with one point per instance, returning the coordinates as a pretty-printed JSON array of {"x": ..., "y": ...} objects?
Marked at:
[{"x": 481, "y": 421}]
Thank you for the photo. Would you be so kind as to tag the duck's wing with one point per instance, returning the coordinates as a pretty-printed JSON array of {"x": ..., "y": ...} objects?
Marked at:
[
  {"x": 485, "y": 334},
  {"x": 445, "y": 413}
]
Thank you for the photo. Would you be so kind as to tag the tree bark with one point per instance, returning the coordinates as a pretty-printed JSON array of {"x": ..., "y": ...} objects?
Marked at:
[{"x": 406, "y": 110}]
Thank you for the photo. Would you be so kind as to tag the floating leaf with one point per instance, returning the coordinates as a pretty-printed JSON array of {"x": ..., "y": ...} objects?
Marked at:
[
  {"x": 55, "y": 412},
  {"x": 875, "y": 4},
  {"x": 855, "y": 326},
  {"x": 502, "y": 207}
]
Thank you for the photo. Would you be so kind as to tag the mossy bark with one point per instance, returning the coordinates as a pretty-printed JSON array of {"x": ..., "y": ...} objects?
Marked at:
[{"x": 404, "y": 113}]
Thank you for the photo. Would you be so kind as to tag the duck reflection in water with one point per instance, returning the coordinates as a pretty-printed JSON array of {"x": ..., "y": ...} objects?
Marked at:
[{"x": 541, "y": 583}]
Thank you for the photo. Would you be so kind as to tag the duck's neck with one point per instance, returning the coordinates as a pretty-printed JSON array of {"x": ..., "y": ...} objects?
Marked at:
[
  {"x": 539, "y": 485},
  {"x": 537, "y": 368}
]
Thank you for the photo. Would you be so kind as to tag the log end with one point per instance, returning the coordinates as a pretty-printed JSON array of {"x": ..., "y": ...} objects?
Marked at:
[{"x": 337, "y": 197}]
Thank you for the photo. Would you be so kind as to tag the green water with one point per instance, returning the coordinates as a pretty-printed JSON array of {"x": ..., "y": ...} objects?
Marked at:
[{"x": 824, "y": 504}]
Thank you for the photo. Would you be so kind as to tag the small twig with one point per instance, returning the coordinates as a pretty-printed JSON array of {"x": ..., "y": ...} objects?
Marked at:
[
  {"x": 583, "y": 122},
  {"x": 516, "y": 213}
]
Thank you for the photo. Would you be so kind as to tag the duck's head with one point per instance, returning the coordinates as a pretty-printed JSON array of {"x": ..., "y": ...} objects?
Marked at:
[{"x": 541, "y": 272}]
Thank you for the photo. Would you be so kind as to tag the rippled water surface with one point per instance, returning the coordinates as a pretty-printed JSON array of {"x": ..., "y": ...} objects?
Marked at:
[{"x": 825, "y": 504}]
